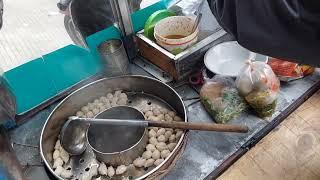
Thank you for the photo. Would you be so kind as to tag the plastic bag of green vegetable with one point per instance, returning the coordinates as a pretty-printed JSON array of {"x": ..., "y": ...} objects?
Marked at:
[{"x": 221, "y": 99}]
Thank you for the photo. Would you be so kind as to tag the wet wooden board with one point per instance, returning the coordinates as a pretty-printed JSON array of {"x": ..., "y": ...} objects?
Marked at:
[{"x": 290, "y": 151}]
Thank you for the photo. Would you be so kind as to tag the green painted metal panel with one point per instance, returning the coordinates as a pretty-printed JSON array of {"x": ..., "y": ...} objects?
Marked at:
[
  {"x": 69, "y": 65},
  {"x": 30, "y": 84},
  {"x": 41, "y": 79}
]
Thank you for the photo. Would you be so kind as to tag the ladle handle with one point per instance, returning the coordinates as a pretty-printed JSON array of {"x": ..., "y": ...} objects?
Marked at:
[
  {"x": 200, "y": 126},
  {"x": 173, "y": 124}
]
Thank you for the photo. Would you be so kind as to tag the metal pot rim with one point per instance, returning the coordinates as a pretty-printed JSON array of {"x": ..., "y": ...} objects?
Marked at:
[{"x": 103, "y": 79}]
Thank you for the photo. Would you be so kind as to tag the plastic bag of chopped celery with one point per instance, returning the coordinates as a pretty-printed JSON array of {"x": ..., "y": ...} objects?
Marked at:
[
  {"x": 260, "y": 87},
  {"x": 221, "y": 99}
]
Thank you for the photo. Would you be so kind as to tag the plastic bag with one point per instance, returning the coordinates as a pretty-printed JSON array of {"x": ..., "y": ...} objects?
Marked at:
[
  {"x": 184, "y": 7},
  {"x": 221, "y": 99},
  {"x": 260, "y": 87},
  {"x": 288, "y": 70}
]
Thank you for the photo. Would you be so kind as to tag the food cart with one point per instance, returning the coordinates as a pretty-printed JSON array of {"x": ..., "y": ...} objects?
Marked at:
[{"x": 39, "y": 89}]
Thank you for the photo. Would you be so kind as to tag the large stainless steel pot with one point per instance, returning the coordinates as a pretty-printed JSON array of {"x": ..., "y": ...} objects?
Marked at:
[{"x": 71, "y": 104}]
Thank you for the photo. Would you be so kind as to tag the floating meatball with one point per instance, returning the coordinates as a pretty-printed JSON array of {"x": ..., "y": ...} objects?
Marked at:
[
  {"x": 149, "y": 113},
  {"x": 139, "y": 162},
  {"x": 85, "y": 109},
  {"x": 161, "y": 138},
  {"x": 117, "y": 93},
  {"x": 102, "y": 108},
  {"x": 80, "y": 114},
  {"x": 161, "y": 117},
  {"x": 103, "y": 99},
  {"x": 171, "y": 146},
  {"x": 95, "y": 111},
  {"x": 156, "y": 112},
  {"x": 168, "y": 118},
  {"x": 121, "y": 169},
  {"x": 58, "y": 170},
  {"x": 96, "y": 101},
  {"x": 57, "y": 145},
  {"x": 165, "y": 153},
  {"x": 64, "y": 155},
  {"x": 151, "y": 147},
  {"x": 153, "y": 140},
  {"x": 56, "y": 154},
  {"x": 172, "y": 138},
  {"x": 109, "y": 96},
  {"x": 89, "y": 114},
  {"x": 66, "y": 174},
  {"x": 167, "y": 134},
  {"x": 107, "y": 105},
  {"x": 148, "y": 163},
  {"x": 147, "y": 154},
  {"x": 123, "y": 96},
  {"x": 156, "y": 154},
  {"x": 152, "y": 133},
  {"x": 161, "y": 146},
  {"x": 94, "y": 170},
  {"x": 122, "y": 102},
  {"x": 172, "y": 113},
  {"x": 111, "y": 171},
  {"x": 91, "y": 106},
  {"x": 103, "y": 170},
  {"x": 57, "y": 162},
  {"x": 161, "y": 131}
]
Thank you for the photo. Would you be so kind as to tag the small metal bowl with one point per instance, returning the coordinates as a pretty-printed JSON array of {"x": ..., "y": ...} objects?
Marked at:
[{"x": 117, "y": 145}]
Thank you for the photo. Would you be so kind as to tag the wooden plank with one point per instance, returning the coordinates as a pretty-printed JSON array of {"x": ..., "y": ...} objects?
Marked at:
[
  {"x": 157, "y": 58},
  {"x": 290, "y": 151}
]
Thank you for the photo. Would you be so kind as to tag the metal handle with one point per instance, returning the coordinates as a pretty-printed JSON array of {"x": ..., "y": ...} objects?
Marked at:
[{"x": 118, "y": 122}]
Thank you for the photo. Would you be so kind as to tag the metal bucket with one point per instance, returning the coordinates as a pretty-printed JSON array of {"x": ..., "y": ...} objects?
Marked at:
[
  {"x": 130, "y": 141},
  {"x": 114, "y": 57}
]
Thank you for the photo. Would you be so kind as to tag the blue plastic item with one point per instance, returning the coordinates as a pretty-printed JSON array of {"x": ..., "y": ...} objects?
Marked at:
[{"x": 168, "y": 3}]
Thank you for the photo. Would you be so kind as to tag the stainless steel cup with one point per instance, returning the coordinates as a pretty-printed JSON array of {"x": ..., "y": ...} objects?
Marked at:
[
  {"x": 117, "y": 145},
  {"x": 114, "y": 57}
]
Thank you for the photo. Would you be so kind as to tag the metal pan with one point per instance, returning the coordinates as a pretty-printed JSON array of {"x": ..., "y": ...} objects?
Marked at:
[{"x": 139, "y": 88}]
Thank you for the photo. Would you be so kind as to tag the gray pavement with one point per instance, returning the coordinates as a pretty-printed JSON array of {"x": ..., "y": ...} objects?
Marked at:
[{"x": 30, "y": 29}]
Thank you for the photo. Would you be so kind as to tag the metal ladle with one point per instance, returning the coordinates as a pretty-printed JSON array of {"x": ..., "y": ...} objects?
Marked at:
[{"x": 73, "y": 132}]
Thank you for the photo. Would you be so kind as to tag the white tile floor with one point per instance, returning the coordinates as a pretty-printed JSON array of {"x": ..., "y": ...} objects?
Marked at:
[{"x": 30, "y": 29}]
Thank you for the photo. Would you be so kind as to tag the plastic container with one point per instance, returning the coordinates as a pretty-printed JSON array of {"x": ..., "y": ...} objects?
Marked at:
[{"x": 175, "y": 33}]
